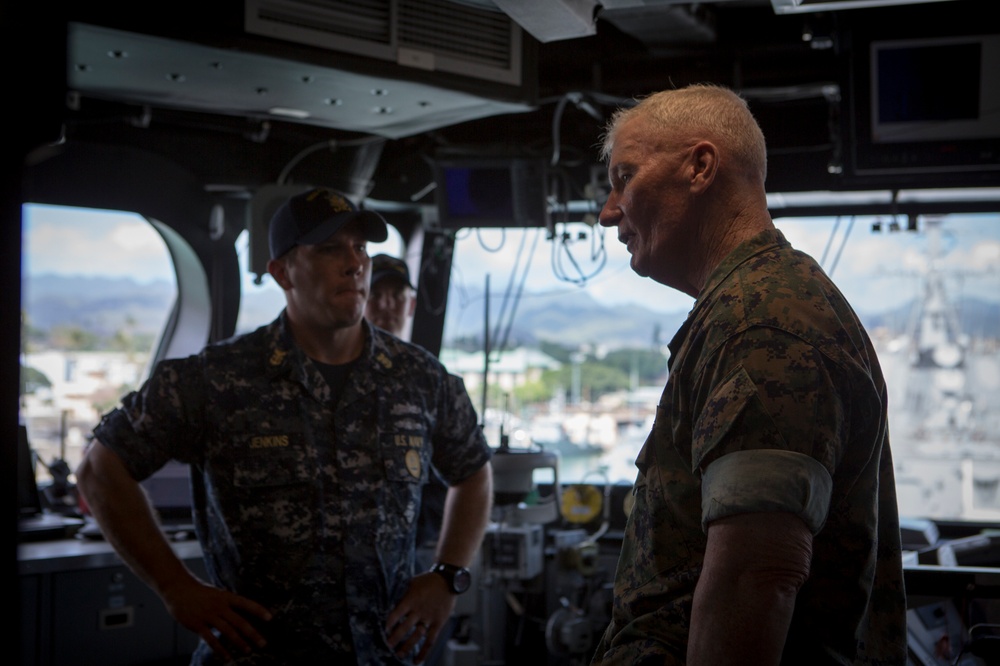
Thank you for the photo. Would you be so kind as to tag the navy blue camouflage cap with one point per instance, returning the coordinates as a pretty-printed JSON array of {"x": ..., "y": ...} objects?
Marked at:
[
  {"x": 384, "y": 265},
  {"x": 314, "y": 216}
]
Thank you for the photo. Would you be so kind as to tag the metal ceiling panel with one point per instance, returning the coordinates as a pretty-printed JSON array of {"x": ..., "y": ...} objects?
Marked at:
[{"x": 125, "y": 66}]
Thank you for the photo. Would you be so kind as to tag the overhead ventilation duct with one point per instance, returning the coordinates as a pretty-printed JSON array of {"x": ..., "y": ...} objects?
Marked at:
[
  {"x": 432, "y": 35},
  {"x": 393, "y": 68}
]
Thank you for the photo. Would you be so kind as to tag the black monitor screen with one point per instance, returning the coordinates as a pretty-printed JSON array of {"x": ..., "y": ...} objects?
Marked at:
[
  {"x": 491, "y": 192},
  {"x": 927, "y": 84},
  {"x": 478, "y": 193}
]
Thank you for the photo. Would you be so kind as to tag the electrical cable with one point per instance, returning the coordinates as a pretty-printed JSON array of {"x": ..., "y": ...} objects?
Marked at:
[
  {"x": 843, "y": 244},
  {"x": 509, "y": 289},
  {"x": 561, "y": 246},
  {"x": 578, "y": 100},
  {"x": 503, "y": 240},
  {"x": 556, "y": 122},
  {"x": 561, "y": 242},
  {"x": 332, "y": 144},
  {"x": 829, "y": 240},
  {"x": 520, "y": 291}
]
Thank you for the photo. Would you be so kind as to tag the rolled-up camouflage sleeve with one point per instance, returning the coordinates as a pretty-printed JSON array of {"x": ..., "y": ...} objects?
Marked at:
[
  {"x": 763, "y": 481},
  {"x": 155, "y": 424},
  {"x": 771, "y": 430}
]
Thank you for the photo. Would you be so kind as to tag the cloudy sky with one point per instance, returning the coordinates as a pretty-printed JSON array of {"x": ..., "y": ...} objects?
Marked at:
[
  {"x": 64, "y": 241},
  {"x": 875, "y": 270}
]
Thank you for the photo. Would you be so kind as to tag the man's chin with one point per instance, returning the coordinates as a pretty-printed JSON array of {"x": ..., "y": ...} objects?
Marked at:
[{"x": 638, "y": 268}]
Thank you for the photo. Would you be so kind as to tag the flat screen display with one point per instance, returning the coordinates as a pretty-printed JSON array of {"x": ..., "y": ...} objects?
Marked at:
[
  {"x": 938, "y": 89},
  {"x": 925, "y": 108},
  {"x": 491, "y": 192},
  {"x": 478, "y": 192}
]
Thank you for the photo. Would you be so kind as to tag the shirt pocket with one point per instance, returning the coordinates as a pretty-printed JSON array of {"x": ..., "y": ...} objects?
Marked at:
[
  {"x": 406, "y": 464},
  {"x": 270, "y": 461},
  {"x": 720, "y": 413},
  {"x": 406, "y": 457},
  {"x": 275, "y": 507}
]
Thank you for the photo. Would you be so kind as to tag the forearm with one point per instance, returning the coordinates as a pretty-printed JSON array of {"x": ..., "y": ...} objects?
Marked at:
[
  {"x": 731, "y": 619},
  {"x": 122, "y": 509},
  {"x": 466, "y": 514},
  {"x": 745, "y": 597}
]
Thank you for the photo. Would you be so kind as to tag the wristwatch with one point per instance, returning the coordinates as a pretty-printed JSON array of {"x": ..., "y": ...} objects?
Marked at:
[{"x": 458, "y": 578}]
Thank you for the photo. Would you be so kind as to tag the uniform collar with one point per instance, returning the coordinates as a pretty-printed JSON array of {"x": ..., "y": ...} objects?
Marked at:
[
  {"x": 282, "y": 354},
  {"x": 767, "y": 240},
  {"x": 285, "y": 358}
]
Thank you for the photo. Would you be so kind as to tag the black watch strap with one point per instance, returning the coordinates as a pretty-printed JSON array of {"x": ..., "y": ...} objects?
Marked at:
[{"x": 458, "y": 578}]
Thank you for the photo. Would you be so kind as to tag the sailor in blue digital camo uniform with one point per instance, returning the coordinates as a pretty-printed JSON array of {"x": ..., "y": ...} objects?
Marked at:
[
  {"x": 764, "y": 528},
  {"x": 309, "y": 442}
]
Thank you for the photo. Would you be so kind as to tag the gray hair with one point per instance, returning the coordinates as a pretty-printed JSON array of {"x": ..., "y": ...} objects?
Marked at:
[{"x": 706, "y": 111}]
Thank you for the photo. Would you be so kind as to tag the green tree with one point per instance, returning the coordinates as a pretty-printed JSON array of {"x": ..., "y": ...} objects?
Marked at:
[
  {"x": 557, "y": 351},
  {"x": 649, "y": 365},
  {"x": 124, "y": 338},
  {"x": 32, "y": 380},
  {"x": 534, "y": 392},
  {"x": 32, "y": 337},
  {"x": 73, "y": 338},
  {"x": 596, "y": 379}
]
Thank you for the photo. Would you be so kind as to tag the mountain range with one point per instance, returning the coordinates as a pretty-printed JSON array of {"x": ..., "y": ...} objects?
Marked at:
[{"x": 570, "y": 318}]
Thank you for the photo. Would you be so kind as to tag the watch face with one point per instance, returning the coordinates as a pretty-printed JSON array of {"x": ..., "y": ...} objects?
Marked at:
[{"x": 462, "y": 580}]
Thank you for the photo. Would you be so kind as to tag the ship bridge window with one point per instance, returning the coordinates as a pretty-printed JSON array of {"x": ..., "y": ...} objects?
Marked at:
[
  {"x": 577, "y": 344},
  {"x": 97, "y": 290}
]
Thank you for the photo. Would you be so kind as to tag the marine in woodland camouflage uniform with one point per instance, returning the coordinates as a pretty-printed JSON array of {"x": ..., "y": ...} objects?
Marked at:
[
  {"x": 305, "y": 504},
  {"x": 775, "y": 402}
]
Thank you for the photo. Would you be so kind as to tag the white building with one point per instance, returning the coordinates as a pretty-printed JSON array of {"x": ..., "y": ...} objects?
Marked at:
[
  {"x": 60, "y": 416},
  {"x": 507, "y": 370}
]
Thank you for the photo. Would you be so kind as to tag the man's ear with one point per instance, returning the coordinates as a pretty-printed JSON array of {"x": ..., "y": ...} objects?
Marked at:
[
  {"x": 279, "y": 271},
  {"x": 705, "y": 166},
  {"x": 413, "y": 305}
]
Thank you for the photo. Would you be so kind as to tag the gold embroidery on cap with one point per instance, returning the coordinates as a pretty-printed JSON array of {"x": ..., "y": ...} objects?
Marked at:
[{"x": 338, "y": 203}]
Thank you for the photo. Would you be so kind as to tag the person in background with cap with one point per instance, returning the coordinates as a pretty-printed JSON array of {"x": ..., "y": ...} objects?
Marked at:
[
  {"x": 309, "y": 441},
  {"x": 391, "y": 305}
]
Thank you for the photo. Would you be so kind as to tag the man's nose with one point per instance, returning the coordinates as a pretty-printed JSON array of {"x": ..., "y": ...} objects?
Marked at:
[
  {"x": 610, "y": 213},
  {"x": 356, "y": 261}
]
